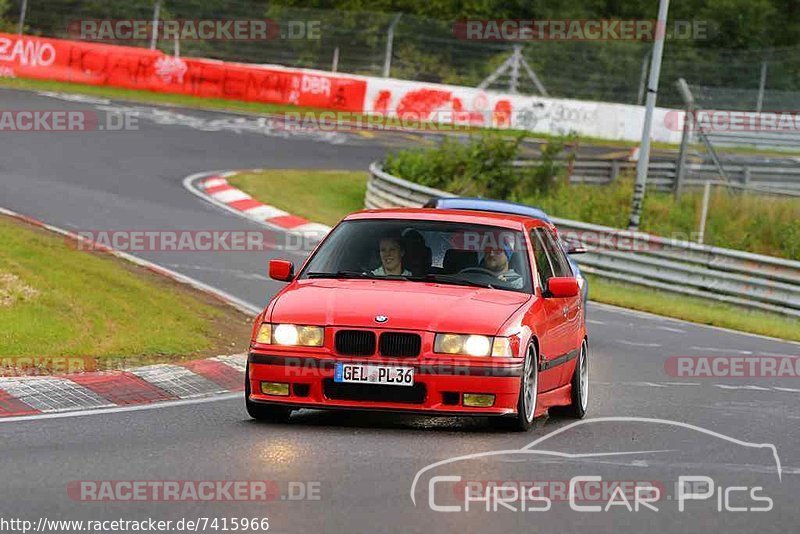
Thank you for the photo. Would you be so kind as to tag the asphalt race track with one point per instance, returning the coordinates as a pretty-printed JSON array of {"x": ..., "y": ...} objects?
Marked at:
[{"x": 363, "y": 465}]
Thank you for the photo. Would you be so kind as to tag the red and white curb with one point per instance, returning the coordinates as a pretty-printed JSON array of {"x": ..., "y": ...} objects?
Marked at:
[
  {"x": 214, "y": 188},
  {"x": 37, "y": 395}
]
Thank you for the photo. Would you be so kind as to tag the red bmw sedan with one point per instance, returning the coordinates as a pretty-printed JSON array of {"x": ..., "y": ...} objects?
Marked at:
[{"x": 453, "y": 312}]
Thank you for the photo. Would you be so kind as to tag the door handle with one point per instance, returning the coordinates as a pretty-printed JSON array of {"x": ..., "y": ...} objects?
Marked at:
[{"x": 565, "y": 310}]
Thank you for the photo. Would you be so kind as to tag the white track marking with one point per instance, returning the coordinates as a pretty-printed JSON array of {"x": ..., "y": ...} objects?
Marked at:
[
  {"x": 650, "y": 384},
  {"x": 312, "y": 228},
  {"x": 238, "y": 273},
  {"x": 230, "y": 195},
  {"x": 213, "y": 182},
  {"x": 261, "y": 213},
  {"x": 637, "y": 344},
  {"x": 668, "y": 329},
  {"x": 715, "y": 349},
  {"x": 71, "y": 97},
  {"x": 745, "y": 387}
]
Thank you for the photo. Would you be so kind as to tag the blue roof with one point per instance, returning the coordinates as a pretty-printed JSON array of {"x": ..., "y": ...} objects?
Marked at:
[{"x": 486, "y": 204}]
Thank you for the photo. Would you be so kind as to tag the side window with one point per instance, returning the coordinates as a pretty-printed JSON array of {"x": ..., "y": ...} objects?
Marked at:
[
  {"x": 558, "y": 258},
  {"x": 544, "y": 268}
]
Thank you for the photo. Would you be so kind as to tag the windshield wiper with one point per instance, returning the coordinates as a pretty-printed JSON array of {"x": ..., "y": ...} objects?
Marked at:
[
  {"x": 439, "y": 278},
  {"x": 342, "y": 274},
  {"x": 449, "y": 279}
]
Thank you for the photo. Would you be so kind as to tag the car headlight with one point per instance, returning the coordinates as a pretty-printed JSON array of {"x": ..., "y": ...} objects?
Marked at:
[
  {"x": 291, "y": 335},
  {"x": 472, "y": 345}
]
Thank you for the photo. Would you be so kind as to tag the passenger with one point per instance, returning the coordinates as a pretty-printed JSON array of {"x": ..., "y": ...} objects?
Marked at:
[{"x": 391, "y": 251}]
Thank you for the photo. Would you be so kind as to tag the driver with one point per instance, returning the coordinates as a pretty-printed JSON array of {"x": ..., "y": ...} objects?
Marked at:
[
  {"x": 391, "y": 252},
  {"x": 496, "y": 259}
]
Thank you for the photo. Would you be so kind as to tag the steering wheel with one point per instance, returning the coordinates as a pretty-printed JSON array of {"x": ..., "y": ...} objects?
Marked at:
[{"x": 479, "y": 270}]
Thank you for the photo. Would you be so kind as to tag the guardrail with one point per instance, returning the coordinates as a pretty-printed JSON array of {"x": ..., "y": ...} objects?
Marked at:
[
  {"x": 758, "y": 176},
  {"x": 732, "y": 276},
  {"x": 778, "y": 140}
]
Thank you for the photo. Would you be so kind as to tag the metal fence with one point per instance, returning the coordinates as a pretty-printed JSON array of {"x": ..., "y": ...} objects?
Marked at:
[
  {"x": 778, "y": 177},
  {"x": 775, "y": 128},
  {"x": 416, "y": 48},
  {"x": 751, "y": 280}
]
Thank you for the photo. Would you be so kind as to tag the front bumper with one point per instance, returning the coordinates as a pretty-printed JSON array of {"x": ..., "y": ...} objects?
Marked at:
[{"x": 439, "y": 386}]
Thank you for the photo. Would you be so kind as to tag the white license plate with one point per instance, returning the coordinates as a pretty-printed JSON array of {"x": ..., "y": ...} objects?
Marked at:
[{"x": 388, "y": 375}]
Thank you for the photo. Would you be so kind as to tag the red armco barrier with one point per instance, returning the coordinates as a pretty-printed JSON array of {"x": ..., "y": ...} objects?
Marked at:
[{"x": 139, "y": 68}]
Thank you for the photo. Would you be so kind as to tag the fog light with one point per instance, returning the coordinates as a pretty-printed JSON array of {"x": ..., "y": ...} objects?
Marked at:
[
  {"x": 274, "y": 388},
  {"x": 478, "y": 400}
]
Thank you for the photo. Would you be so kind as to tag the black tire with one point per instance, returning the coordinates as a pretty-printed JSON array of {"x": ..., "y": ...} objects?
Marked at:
[
  {"x": 523, "y": 420},
  {"x": 263, "y": 412},
  {"x": 580, "y": 387}
]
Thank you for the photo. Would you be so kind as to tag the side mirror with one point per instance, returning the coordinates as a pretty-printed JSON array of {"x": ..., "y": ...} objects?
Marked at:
[
  {"x": 282, "y": 270},
  {"x": 562, "y": 287},
  {"x": 573, "y": 248}
]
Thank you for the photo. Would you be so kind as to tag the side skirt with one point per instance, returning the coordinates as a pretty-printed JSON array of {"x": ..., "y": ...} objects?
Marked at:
[{"x": 561, "y": 396}]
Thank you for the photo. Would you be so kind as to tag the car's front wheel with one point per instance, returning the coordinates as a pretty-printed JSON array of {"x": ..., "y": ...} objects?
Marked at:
[
  {"x": 263, "y": 412},
  {"x": 522, "y": 421}
]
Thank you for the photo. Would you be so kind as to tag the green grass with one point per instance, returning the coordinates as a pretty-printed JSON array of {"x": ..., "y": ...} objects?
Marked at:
[
  {"x": 692, "y": 309},
  {"x": 327, "y": 196},
  {"x": 320, "y": 196},
  {"x": 759, "y": 223},
  {"x": 58, "y": 301}
]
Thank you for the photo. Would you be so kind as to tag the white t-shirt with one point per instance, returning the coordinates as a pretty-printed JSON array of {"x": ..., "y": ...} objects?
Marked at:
[{"x": 380, "y": 272}]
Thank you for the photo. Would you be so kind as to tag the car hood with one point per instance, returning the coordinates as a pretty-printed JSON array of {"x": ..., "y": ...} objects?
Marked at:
[{"x": 408, "y": 305}]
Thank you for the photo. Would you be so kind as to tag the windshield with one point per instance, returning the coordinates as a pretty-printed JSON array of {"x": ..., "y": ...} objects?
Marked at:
[{"x": 425, "y": 251}]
